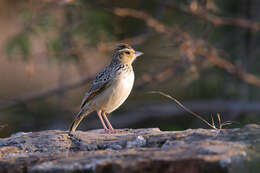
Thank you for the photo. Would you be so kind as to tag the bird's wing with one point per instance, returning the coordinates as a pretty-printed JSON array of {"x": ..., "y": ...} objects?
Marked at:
[{"x": 101, "y": 82}]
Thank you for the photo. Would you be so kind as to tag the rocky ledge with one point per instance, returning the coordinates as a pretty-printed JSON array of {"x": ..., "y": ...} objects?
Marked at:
[{"x": 133, "y": 151}]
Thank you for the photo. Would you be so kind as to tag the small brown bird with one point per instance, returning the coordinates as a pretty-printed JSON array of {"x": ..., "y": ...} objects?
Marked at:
[{"x": 110, "y": 88}]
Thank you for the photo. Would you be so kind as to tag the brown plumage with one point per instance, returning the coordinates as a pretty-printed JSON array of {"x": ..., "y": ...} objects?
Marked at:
[{"x": 110, "y": 87}]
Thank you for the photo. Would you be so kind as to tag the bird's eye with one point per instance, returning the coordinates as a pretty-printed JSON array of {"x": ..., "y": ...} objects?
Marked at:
[{"x": 127, "y": 52}]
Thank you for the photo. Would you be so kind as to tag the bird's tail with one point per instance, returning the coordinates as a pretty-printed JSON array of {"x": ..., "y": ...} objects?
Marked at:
[{"x": 82, "y": 113}]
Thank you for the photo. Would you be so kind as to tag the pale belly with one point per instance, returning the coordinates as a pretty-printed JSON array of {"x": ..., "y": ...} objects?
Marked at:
[{"x": 116, "y": 94}]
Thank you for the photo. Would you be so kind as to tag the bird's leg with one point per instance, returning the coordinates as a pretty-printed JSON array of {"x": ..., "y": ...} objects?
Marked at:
[
  {"x": 111, "y": 129},
  {"x": 102, "y": 121}
]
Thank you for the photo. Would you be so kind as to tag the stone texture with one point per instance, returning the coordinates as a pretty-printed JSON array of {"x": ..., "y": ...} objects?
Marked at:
[{"x": 133, "y": 151}]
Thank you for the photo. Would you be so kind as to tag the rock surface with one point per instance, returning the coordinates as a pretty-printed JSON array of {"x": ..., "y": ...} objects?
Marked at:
[{"x": 133, "y": 151}]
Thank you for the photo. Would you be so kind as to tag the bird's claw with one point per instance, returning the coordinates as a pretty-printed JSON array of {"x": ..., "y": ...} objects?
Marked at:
[{"x": 112, "y": 131}]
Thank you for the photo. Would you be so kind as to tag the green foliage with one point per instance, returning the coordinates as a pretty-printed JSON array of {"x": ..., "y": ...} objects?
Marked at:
[
  {"x": 69, "y": 28},
  {"x": 19, "y": 45},
  {"x": 54, "y": 47},
  {"x": 94, "y": 26}
]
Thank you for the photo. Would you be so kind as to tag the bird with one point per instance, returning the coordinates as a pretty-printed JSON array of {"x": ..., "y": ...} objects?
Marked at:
[{"x": 110, "y": 88}]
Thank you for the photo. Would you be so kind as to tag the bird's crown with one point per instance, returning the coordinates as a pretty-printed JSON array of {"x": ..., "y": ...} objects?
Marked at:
[
  {"x": 122, "y": 46},
  {"x": 125, "y": 54}
]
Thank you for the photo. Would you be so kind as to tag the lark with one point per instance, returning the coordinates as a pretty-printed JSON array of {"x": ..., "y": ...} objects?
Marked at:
[{"x": 110, "y": 88}]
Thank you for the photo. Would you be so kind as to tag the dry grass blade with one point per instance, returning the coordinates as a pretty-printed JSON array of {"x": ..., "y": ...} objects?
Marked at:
[
  {"x": 186, "y": 109},
  {"x": 212, "y": 121},
  {"x": 212, "y": 125},
  {"x": 219, "y": 121},
  {"x": 226, "y": 123}
]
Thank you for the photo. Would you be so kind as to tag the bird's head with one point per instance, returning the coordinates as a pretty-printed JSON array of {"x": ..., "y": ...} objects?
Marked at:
[{"x": 125, "y": 54}]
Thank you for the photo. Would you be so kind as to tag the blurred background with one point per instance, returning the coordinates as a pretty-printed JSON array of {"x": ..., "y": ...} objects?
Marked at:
[{"x": 202, "y": 52}]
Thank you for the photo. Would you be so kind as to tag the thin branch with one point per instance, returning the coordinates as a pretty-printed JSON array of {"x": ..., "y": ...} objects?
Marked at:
[
  {"x": 150, "y": 21},
  {"x": 103, "y": 46},
  {"x": 27, "y": 98},
  {"x": 212, "y": 56},
  {"x": 44, "y": 93},
  {"x": 191, "y": 47},
  {"x": 188, "y": 46},
  {"x": 214, "y": 19},
  {"x": 158, "y": 76}
]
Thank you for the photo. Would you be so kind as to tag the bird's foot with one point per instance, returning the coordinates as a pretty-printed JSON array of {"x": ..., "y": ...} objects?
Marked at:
[{"x": 112, "y": 131}]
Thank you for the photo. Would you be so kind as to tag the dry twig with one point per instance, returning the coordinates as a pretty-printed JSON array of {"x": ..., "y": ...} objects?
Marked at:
[
  {"x": 188, "y": 46},
  {"x": 203, "y": 13},
  {"x": 191, "y": 47},
  {"x": 212, "y": 125}
]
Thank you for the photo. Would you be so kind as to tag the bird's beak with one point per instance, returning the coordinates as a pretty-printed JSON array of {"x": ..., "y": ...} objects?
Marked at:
[{"x": 137, "y": 53}]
